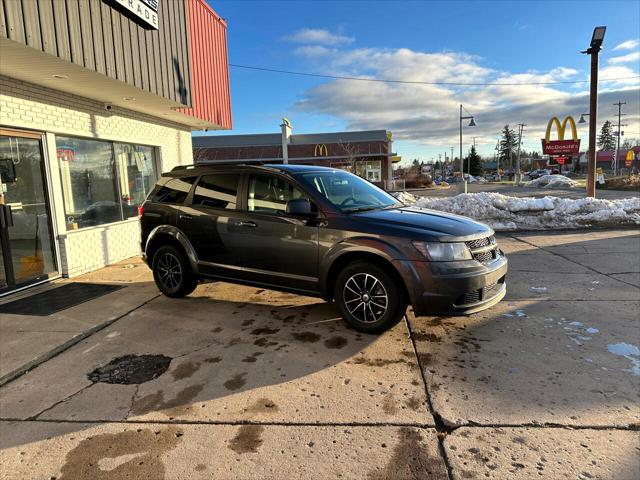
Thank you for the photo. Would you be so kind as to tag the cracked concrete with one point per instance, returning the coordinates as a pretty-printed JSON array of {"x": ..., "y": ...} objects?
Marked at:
[{"x": 278, "y": 386}]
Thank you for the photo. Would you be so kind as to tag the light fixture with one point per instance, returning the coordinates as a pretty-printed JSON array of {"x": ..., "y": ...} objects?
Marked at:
[
  {"x": 472, "y": 123},
  {"x": 582, "y": 120},
  {"x": 58, "y": 75},
  {"x": 598, "y": 36}
]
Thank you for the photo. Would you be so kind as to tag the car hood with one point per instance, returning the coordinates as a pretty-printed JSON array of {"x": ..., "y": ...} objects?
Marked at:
[{"x": 438, "y": 225}]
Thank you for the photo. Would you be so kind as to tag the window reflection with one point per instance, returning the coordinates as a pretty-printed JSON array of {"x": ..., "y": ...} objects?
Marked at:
[{"x": 103, "y": 182}]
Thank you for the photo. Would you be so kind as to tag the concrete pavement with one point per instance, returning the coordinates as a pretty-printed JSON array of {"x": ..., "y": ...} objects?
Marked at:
[{"x": 263, "y": 384}]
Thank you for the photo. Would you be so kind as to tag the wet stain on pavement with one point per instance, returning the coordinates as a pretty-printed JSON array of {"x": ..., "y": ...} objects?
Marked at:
[
  {"x": 236, "y": 382},
  {"x": 201, "y": 467},
  {"x": 213, "y": 360},
  {"x": 262, "y": 405},
  {"x": 378, "y": 362},
  {"x": 247, "y": 440},
  {"x": 306, "y": 337},
  {"x": 185, "y": 370},
  {"x": 264, "y": 331},
  {"x": 156, "y": 401},
  {"x": 413, "y": 403},
  {"x": 131, "y": 369},
  {"x": 252, "y": 358},
  {"x": 248, "y": 322},
  {"x": 140, "y": 450},
  {"x": 389, "y": 405},
  {"x": 426, "y": 337},
  {"x": 217, "y": 330},
  {"x": 411, "y": 459},
  {"x": 335, "y": 342},
  {"x": 264, "y": 342}
]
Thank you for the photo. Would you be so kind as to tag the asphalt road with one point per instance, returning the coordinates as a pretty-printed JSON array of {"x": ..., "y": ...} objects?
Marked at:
[
  {"x": 259, "y": 384},
  {"x": 522, "y": 191}
]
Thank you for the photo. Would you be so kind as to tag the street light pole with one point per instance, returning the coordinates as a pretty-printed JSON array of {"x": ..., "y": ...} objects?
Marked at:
[
  {"x": 593, "y": 50},
  {"x": 471, "y": 124}
]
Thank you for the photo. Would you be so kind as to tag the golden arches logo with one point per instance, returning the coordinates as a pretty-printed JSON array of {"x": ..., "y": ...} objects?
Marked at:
[
  {"x": 561, "y": 128},
  {"x": 320, "y": 150}
]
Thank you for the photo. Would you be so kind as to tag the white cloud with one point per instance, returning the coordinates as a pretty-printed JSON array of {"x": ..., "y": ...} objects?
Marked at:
[
  {"x": 312, "y": 51},
  {"x": 318, "y": 36},
  {"x": 628, "y": 45},
  {"x": 428, "y": 114},
  {"x": 628, "y": 58}
]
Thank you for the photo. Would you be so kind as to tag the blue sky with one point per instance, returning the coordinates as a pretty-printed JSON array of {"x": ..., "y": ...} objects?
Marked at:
[{"x": 426, "y": 41}]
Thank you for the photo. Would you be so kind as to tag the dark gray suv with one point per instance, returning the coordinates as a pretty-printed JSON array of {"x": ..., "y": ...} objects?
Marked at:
[{"x": 319, "y": 232}]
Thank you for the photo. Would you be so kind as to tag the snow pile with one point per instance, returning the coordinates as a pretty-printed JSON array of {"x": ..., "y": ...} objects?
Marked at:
[
  {"x": 502, "y": 212},
  {"x": 552, "y": 181},
  {"x": 405, "y": 197}
]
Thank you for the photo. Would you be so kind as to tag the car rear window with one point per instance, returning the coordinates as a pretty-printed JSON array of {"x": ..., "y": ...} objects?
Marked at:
[
  {"x": 174, "y": 191},
  {"x": 217, "y": 191}
]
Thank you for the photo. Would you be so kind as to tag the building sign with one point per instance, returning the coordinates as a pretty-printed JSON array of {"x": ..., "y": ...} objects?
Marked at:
[
  {"x": 320, "y": 150},
  {"x": 561, "y": 146},
  {"x": 145, "y": 10},
  {"x": 628, "y": 161}
]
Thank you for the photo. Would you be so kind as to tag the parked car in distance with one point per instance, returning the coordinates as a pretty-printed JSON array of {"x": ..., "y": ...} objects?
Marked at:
[
  {"x": 541, "y": 172},
  {"x": 318, "y": 232}
]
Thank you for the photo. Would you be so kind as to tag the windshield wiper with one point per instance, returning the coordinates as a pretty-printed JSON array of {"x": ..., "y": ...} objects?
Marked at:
[{"x": 360, "y": 209}]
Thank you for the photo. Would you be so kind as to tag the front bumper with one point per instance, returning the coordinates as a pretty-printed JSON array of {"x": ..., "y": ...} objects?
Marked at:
[{"x": 454, "y": 288}]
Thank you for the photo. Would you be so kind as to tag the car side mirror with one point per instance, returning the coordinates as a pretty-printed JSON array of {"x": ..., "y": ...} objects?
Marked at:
[{"x": 300, "y": 207}]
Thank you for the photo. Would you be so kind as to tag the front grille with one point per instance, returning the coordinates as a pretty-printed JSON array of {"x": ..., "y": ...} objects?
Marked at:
[
  {"x": 484, "y": 256},
  {"x": 469, "y": 297},
  {"x": 481, "y": 242}
]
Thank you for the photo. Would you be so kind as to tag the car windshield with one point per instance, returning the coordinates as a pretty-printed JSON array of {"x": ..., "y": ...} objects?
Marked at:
[{"x": 348, "y": 192}]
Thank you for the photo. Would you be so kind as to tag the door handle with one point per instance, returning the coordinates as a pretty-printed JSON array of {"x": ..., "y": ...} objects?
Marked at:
[
  {"x": 185, "y": 217},
  {"x": 249, "y": 224}
]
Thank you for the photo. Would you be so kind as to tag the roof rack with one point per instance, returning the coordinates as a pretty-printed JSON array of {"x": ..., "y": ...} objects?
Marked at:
[{"x": 220, "y": 163}]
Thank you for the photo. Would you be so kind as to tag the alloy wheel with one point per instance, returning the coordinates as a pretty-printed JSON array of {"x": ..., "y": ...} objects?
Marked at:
[
  {"x": 169, "y": 271},
  {"x": 365, "y": 297}
]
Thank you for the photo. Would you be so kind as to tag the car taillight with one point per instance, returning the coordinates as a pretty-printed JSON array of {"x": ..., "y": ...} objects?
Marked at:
[{"x": 140, "y": 211}]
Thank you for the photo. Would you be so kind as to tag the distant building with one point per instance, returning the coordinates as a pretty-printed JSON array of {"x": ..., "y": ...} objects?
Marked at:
[{"x": 367, "y": 153}]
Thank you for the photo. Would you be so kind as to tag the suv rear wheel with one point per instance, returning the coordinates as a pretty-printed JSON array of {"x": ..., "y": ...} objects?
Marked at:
[
  {"x": 172, "y": 272},
  {"x": 369, "y": 298}
]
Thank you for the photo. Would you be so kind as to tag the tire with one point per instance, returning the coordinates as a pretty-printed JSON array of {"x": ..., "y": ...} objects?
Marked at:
[
  {"x": 181, "y": 281},
  {"x": 379, "y": 300}
]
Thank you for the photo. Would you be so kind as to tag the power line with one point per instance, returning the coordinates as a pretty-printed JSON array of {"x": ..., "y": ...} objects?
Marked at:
[{"x": 382, "y": 80}]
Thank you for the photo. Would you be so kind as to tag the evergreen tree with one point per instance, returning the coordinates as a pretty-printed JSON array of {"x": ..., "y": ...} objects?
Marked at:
[
  {"x": 606, "y": 139},
  {"x": 474, "y": 161},
  {"x": 508, "y": 146}
]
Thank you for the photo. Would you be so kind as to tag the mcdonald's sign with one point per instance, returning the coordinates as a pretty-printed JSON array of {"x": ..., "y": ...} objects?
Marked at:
[
  {"x": 561, "y": 146},
  {"x": 320, "y": 150}
]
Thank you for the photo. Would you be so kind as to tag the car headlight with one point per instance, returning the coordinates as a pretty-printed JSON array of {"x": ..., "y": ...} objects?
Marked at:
[{"x": 443, "y": 252}]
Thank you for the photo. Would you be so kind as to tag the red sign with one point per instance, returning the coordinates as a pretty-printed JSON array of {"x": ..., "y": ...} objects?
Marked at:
[
  {"x": 561, "y": 160},
  {"x": 561, "y": 147},
  {"x": 628, "y": 163}
]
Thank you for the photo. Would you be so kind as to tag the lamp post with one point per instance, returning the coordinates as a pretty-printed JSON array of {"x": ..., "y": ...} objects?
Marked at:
[
  {"x": 472, "y": 123},
  {"x": 594, "y": 49}
]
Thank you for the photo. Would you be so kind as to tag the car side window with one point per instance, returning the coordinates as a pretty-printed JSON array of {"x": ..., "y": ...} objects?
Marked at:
[
  {"x": 174, "y": 191},
  {"x": 270, "y": 194},
  {"x": 217, "y": 191}
]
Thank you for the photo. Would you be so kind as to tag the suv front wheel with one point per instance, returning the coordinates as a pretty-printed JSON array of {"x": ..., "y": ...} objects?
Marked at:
[
  {"x": 172, "y": 272},
  {"x": 369, "y": 298}
]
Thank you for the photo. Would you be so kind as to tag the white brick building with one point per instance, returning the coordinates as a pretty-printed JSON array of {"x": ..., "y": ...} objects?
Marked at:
[{"x": 82, "y": 141}]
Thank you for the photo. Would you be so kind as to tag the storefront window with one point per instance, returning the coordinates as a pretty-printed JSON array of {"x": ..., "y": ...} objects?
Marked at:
[
  {"x": 371, "y": 170},
  {"x": 103, "y": 182}
]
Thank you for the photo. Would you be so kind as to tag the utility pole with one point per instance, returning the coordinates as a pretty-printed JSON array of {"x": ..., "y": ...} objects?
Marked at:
[
  {"x": 619, "y": 133},
  {"x": 520, "y": 130}
]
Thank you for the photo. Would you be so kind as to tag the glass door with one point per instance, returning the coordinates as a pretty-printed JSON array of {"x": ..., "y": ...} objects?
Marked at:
[{"x": 26, "y": 239}]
